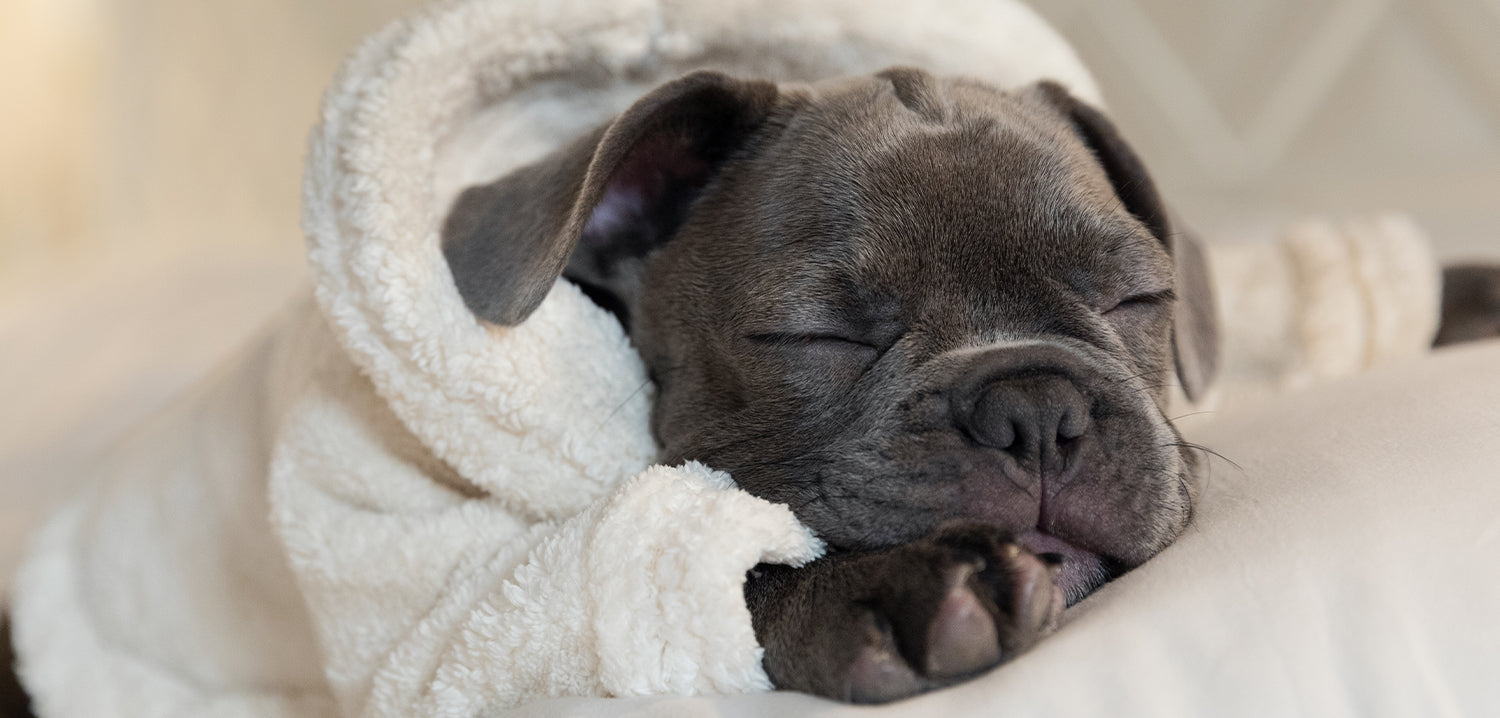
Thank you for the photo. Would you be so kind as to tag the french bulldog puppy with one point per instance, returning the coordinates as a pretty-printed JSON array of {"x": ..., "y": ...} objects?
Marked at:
[{"x": 937, "y": 319}]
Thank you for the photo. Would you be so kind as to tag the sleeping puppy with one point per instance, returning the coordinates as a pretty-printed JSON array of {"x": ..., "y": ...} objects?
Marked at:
[{"x": 937, "y": 319}]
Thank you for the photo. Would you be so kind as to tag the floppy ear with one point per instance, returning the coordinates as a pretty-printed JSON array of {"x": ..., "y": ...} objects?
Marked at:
[
  {"x": 594, "y": 209},
  {"x": 1195, "y": 335},
  {"x": 1195, "y": 323}
]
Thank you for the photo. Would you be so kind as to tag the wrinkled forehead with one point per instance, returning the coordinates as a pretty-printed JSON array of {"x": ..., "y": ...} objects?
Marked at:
[{"x": 974, "y": 187}]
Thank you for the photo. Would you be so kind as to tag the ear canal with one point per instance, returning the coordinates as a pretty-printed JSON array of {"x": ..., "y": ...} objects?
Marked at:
[
  {"x": 1195, "y": 342},
  {"x": 595, "y": 208}
]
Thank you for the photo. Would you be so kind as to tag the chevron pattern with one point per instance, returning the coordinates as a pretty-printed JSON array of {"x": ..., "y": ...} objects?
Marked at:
[{"x": 1265, "y": 109}]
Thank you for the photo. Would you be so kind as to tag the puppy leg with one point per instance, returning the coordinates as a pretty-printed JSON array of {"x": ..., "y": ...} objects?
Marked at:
[
  {"x": 879, "y": 626},
  {"x": 1471, "y": 304}
]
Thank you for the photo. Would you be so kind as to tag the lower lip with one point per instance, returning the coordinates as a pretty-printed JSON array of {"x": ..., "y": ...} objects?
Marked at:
[{"x": 1082, "y": 571}]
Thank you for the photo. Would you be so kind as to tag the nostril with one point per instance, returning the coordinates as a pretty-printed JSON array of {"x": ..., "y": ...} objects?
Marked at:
[
  {"x": 993, "y": 422},
  {"x": 1003, "y": 436},
  {"x": 1073, "y": 423}
]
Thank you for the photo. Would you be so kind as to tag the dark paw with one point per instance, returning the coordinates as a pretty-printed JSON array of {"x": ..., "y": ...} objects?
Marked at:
[
  {"x": 941, "y": 610},
  {"x": 1471, "y": 304}
]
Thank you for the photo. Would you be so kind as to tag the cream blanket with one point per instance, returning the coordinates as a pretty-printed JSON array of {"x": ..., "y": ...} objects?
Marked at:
[{"x": 387, "y": 508}]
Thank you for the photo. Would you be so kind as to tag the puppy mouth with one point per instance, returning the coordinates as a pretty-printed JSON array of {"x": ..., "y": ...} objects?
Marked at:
[{"x": 1081, "y": 571}]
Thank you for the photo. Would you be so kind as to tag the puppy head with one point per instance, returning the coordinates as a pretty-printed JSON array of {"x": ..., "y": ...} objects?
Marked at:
[{"x": 887, "y": 301}]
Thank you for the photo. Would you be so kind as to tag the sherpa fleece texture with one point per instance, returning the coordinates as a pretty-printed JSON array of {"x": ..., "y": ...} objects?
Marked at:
[
  {"x": 388, "y": 508},
  {"x": 1321, "y": 299}
]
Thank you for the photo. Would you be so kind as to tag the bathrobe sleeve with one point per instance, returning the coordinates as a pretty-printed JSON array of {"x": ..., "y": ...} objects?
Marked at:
[
  {"x": 1317, "y": 301},
  {"x": 431, "y": 598}
]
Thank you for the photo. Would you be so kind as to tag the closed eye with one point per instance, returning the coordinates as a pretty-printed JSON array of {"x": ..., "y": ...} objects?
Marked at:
[
  {"x": 793, "y": 339},
  {"x": 1147, "y": 300},
  {"x": 823, "y": 349},
  {"x": 824, "y": 358}
]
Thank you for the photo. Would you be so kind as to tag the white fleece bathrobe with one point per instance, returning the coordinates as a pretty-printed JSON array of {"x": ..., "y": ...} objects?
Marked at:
[{"x": 387, "y": 508}]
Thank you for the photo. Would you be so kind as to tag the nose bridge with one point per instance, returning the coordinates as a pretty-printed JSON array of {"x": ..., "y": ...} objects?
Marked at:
[
  {"x": 1027, "y": 402},
  {"x": 1009, "y": 300},
  {"x": 1017, "y": 359}
]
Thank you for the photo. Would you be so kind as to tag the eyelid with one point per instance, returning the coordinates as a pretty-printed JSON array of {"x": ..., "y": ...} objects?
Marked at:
[
  {"x": 1165, "y": 296},
  {"x": 787, "y": 338}
]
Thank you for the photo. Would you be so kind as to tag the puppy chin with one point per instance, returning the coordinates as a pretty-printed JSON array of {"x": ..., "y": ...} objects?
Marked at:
[{"x": 1082, "y": 571}]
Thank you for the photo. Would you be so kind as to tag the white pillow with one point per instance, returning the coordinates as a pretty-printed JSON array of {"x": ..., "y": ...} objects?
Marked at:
[{"x": 1350, "y": 566}]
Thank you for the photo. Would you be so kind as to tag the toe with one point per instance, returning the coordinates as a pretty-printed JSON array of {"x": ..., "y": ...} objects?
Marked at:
[
  {"x": 879, "y": 673},
  {"x": 961, "y": 638},
  {"x": 1036, "y": 602}
]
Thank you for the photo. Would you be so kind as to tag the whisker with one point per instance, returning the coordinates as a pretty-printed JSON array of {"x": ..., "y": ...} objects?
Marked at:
[
  {"x": 611, "y": 415},
  {"x": 1193, "y": 413},
  {"x": 1206, "y": 450}
]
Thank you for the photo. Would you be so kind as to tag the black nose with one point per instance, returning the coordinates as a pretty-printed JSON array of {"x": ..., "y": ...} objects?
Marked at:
[{"x": 1035, "y": 418}]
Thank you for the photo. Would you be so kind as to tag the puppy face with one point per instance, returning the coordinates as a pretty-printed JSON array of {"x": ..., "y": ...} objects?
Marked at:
[{"x": 887, "y": 302}]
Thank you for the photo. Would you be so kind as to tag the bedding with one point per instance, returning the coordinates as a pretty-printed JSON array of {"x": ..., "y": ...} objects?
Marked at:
[
  {"x": 386, "y": 507},
  {"x": 1342, "y": 565}
]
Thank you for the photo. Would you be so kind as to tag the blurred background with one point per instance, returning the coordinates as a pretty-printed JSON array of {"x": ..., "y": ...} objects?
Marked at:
[{"x": 150, "y": 161}]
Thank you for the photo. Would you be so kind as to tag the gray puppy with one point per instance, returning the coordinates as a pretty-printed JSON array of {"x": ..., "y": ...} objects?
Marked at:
[{"x": 935, "y": 318}]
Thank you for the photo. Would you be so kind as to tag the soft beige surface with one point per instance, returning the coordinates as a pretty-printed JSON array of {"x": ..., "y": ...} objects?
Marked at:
[
  {"x": 1345, "y": 568},
  {"x": 86, "y": 358}
]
